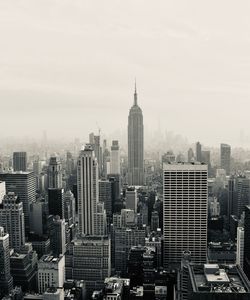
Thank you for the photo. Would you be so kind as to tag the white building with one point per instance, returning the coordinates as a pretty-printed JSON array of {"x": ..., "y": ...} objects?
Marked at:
[
  {"x": 51, "y": 272},
  {"x": 240, "y": 246},
  {"x": 2, "y": 190},
  {"x": 185, "y": 202}
]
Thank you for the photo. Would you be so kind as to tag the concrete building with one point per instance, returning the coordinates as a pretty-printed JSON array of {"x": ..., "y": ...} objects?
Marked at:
[
  {"x": 54, "y": 173},
  {"x": 51, "y": 272},
  {"x": 53, "y": 293},
  {"x": 185, "y": 204},
  {"x": 101, "y": 219},
  {"x": 38, "y": 217},
  {"x": 69, "y": 207},
  {"x": 116, "y": 288},
  {"x": 88, "y": 191},
  {"x": 225, "y": 157},
  {"x": 135, "y": 145},
  {"x": 23, "y": 184},
  {"x": 20, "y": 161},
  {"x": 89, "y": 259},
  {"x": 246, "y": 261},
  {"x": 12, "y": 219},
  {"x": 6, "y": 280},
  {"x": 115, "y": 158}
]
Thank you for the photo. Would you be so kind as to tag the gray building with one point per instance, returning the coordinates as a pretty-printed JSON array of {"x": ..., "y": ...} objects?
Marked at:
[
  {"x": 23, "y": 184},
  {"x": 225, "y": 157},
  {"x": 135, "y": 144},
  {"x": 20, "y": 161},
  {"x": 54, "y": 173}
]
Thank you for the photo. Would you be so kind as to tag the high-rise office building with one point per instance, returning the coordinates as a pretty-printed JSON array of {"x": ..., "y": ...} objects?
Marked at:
[
  {"x": 115, "y": 158},
  {"x": 6, "y": 280},
  {"x": 12, "y": 219},
  {"x": 185, "y": 202},
  {"x": 225, "y": 157},
  {"x": 135, "y": 144},
  {"x": 54, "y": 173},
  {"x": 95, "y": 140},
  {"x": 23, "y": 184},
  {"x": 88, "y": 190},
  {"x": 198, "y": 152},
  {"x": 69, "y": 207},
  {"x": 20, "y": 161}
]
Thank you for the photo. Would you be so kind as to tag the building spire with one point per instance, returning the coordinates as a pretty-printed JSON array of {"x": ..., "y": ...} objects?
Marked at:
[{"x": 135, "y": 95}]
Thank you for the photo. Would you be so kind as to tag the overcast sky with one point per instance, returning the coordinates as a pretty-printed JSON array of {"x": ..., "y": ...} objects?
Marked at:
[{"x": 68, "y": 65}]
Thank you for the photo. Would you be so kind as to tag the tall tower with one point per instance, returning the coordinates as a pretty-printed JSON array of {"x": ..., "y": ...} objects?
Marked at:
[
  {"x": 20, "y": 161},
  {"x": 198, "y": 152},
  {"x": 185, "y": 201},
  {"x": 135, "y": 144},
  {"x": 88, "y": 190},
  {"x": 115, "y": 158}
]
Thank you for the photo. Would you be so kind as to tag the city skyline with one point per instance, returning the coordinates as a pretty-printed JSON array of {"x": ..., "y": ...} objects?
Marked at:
[{"x": 189, "y": 64}]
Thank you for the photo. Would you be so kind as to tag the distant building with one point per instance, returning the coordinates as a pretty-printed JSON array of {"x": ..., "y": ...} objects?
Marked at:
[
  {"x": 51, "y": 272},
  {"x": 54, "y": 173},
  {"x": 20, "y": 161},
  {"x": 115, "y": 158},
  {"x": 225, "y": 157},
  {"x": 198, "y": 152},
  {"x": 190, "y": 155},
  {"x": 135, "y": 145},
  {"x": 168, "y": 157}
]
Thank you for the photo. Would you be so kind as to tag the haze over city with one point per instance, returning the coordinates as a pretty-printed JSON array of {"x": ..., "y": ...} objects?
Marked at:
[{"x": 68, "y": 67}]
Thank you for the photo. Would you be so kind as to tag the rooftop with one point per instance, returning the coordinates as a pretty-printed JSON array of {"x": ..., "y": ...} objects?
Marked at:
[{"x": 214, "y": 278}]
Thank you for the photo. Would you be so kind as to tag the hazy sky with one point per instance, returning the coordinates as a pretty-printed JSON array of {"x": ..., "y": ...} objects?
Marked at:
[{"x": 67, "y": 65}]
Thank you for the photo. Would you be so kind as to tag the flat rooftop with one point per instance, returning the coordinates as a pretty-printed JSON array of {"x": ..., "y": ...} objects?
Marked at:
[{"x": 214, "y": 278}]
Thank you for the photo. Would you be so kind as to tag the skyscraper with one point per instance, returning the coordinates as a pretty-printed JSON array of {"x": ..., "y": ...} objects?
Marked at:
[
  {"x": 225, "y": 157},
  {"x": 54, "y": 173},
  {"x": 185, "y": 201},
  {"x": 6, "y": 280},
  {"x": 88, "y": 190},
  {"x": 246, "y": 255},
  {"x": 135, "y": 144},
  {"x": 20, "y": 161},
  {"x": 115, "y": 158},
  {"x": 24, "y": 186},
  {"x": 198, "y": 152},
  {"x": 12, "y": 219}
]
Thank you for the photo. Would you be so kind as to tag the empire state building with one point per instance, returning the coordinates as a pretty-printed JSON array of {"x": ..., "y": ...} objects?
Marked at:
[{"x": 135, "y": 145}]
